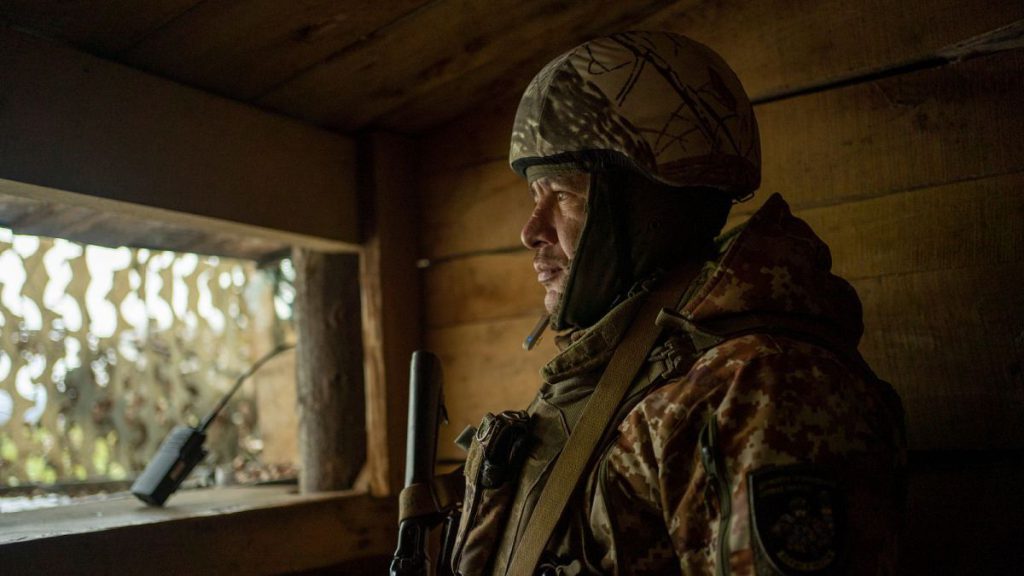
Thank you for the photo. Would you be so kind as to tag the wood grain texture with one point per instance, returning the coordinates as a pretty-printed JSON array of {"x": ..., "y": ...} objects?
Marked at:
[
  {"x": 102, "y": 27},
  {"x": 488, "y": 287},
  {"x": 477, "y": 208},
  {"x": 224, "y": 531},
  {"x": 485, "y": 370},
  {"x": 478, "y": 137},
  {"x": 392, "y": 300},
  {"x": 79, "y": 124},
  {"x": 923, "y": 129},
  {"x": 112, "y": 225},
  {"x": 442, "y": 57},
  {"x": 942, "y": 228},
  {"x": 952, "y": 344},
  {"x": 780, "y": 46},
  {"x": 931, "y": 127},
  {"x": 329, "y": 355},
  {"x": 946, "y": 228},
  {"x": 241, "y": 49}
]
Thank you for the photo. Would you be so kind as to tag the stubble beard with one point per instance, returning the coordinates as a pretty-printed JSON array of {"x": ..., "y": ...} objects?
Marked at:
[{"x": 553, "y": 301}]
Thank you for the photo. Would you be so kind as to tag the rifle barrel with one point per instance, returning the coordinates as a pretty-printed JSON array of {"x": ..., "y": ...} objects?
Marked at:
[{"x": 424, "y": 416}]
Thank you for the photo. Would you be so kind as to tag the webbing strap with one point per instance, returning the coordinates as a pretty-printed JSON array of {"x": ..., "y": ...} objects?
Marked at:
[{"x": 609, "y": 392}]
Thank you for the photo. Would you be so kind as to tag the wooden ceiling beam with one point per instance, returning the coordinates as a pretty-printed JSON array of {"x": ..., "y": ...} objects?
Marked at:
[
  {"x": 412, "y": 65},
  {"x": 444, "y": 54},
  {"x": 243, "y": 48},
  {"x": 99, "y": 27}
]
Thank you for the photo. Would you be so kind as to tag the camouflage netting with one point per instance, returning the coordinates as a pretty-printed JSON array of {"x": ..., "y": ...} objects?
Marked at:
[{"x": 104, "y": 350}]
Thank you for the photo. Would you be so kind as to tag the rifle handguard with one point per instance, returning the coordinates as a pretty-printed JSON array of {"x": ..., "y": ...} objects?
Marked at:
[{"x": 425, "y": 501}]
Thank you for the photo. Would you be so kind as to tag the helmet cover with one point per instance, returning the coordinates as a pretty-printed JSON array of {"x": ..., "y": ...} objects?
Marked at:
[{"x": 655, "y": 102}]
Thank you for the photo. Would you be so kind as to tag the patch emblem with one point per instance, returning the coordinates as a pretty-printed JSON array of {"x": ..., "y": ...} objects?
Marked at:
[{"x": 797, "y": 519}]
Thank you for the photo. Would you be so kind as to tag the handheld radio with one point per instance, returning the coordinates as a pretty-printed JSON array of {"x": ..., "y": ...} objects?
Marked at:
[{"x": 183, "y": 448}]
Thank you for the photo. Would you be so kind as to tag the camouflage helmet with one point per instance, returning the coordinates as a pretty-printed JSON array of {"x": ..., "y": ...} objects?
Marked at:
[{"x": 656, "y": 102}]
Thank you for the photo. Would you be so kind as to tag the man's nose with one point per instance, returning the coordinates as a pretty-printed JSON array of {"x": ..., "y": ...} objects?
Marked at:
[{"x": 539, "y": 230}]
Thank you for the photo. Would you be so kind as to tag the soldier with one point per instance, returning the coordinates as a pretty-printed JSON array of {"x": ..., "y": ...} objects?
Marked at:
[{"x": 708, "y": 412}]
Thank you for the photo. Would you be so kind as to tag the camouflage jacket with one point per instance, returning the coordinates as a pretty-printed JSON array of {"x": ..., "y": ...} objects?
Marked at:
[{"x": 753, "y": 441}]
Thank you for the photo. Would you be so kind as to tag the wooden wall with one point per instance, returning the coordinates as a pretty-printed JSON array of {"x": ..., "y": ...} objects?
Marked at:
[
  {"x": 97, "y": 152},
  {"x": 900, "y": 146}
]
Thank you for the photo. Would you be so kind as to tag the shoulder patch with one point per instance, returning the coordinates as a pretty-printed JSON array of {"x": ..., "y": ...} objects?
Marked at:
[{"x": 798, "y": 521}]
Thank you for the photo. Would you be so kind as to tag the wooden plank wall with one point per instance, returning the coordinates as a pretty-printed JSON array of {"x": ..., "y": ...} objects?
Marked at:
[{"x": 910, "y": 168}]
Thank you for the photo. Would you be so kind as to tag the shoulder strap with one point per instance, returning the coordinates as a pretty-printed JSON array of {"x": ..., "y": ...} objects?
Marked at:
[{"x": 630, "y": 354}]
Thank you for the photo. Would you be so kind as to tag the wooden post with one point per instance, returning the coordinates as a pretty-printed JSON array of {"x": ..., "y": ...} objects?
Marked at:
[
  {"x": 331, "y": 398},
  {"x": 391, "y": 298}
]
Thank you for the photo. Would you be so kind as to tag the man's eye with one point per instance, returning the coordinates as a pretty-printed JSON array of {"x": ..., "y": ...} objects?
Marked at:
[{"x": 563, "y": 196}]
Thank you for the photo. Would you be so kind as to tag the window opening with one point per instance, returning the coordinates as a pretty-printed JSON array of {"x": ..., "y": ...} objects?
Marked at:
[{"x": 104, "y": 350}]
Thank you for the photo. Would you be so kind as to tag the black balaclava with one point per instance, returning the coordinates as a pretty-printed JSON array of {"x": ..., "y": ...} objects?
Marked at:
[{"x": 635, "y": 228}]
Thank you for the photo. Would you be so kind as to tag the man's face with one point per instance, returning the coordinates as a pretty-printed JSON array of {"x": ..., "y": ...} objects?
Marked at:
[{"x": 553, "y": 230}]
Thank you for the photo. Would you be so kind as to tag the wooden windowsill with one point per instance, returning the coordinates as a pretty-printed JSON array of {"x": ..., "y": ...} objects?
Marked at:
[{"x": 237, "y": 530}]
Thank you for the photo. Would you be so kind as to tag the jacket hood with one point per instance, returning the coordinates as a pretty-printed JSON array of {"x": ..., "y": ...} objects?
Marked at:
[{"x": 775, "y": 265}]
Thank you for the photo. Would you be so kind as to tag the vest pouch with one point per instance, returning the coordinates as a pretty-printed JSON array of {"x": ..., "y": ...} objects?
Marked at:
[{"x": 492, "y": 469}]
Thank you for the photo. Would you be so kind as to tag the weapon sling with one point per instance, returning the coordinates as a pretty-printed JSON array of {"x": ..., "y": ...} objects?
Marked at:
[{"x": 630, "y": 354}]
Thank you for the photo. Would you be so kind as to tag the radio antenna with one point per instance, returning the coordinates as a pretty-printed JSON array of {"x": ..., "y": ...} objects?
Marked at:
[{"x": 238, "y": 383}]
